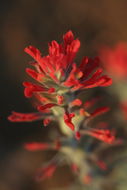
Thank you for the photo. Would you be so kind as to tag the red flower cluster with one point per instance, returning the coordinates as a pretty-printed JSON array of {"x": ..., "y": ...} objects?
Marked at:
[{"x": 58, "y": 75}]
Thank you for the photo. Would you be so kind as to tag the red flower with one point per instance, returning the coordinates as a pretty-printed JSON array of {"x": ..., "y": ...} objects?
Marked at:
[
  {"x": 115, "y": 59},
  {"x": 59, "y": 66},
  {"x": 59, "y": 81},
  {"x": 59, "y": 77}
]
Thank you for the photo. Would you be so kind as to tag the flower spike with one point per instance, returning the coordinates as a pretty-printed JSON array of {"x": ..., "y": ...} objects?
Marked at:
[{"x": 59, "y": 82}]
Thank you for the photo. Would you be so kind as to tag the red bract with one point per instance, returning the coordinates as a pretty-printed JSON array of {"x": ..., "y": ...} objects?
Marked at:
[
  {"x": 42, "y": 108},
  {"x": 103, "y": 135},
  {"x": 76, "y": 102},
  {"x": 97, "y": 112},
  {"x": 35, "y": 75},
  {"x": 24, "y": 117},
  {"x": 34, "y": 146},
  {"x": 60, "y": 99},
  {"x": 39, "y": 146},
  {"x": 67, "y": 119},
  {"x": 46, "y": 172},
  {"x": 102, "y": 165},
  {"x": 87, "y": 75},
  {"x": 100, "y": 111},
  {"x": 89, "y": 103},
  {"x": 32, "y": 88},
  {"x": 115, "y": 59},
  {"x": 46, "y": 121},
  {"x": 77, "y": 135}
]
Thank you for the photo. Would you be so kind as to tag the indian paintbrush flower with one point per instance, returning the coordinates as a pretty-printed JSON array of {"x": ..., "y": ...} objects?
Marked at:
[
  {"x": 59, "y": 82},
  {"x": 59, "y": 79}
]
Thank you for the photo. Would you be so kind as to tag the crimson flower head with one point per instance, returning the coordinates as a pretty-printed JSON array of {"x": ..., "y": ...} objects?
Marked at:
[
  {"x": 59, "y": 70},
  {"x": 58, "y": 79}
]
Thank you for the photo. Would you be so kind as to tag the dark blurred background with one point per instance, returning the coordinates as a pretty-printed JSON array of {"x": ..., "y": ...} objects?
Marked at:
[{"x": 36, "y": 22}]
